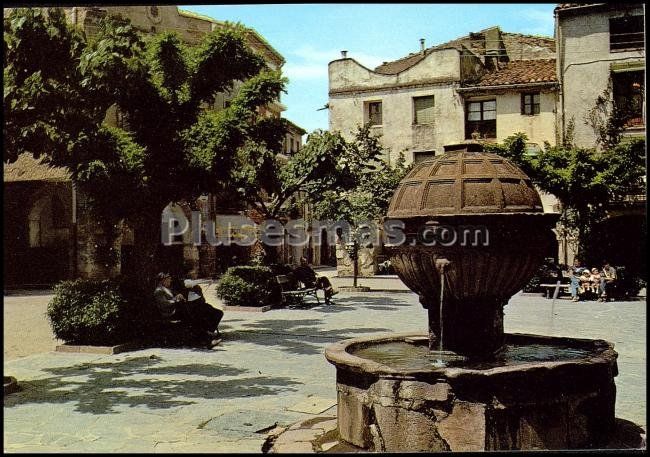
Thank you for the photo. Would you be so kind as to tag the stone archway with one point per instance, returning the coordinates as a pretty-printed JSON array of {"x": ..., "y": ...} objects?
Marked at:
[{"x": 49, "y": 237}]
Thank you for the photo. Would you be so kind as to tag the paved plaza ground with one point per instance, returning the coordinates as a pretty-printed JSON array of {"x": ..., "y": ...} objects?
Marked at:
[{"x": 269, "y": 370}]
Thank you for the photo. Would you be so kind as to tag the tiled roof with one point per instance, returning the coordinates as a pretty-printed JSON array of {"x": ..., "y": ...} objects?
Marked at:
[
  {"x": 518, "y": 47},
  {"x": 521, "y": 72},
  {"x": 566, "y": 6},
  {"x": 27, "y": 168}
]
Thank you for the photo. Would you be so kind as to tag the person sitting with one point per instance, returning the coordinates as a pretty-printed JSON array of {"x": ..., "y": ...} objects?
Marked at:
[
  {"x": 172, "y": 305},
  {"x": 309, "y": 278},
  {"x": 595, "y": 281},
  {"x": 574, "y": 277},
  {"x": 206, "y": 316},
  {"x": 607, "y": 280},
  {"x": 585, "y": 282}
]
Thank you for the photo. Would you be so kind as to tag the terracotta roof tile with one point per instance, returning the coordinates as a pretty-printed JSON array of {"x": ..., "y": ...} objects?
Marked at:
[
  {"x": 566, "y": 6},
  {"x": 518, "y": 46},
  {"x": 521, "y": 72}
]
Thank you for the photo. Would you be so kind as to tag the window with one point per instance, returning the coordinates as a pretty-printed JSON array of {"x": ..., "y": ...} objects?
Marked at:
[
  {"x": 374, "y": 113},
  {"x": 530, "y": 104},
  {"x": 626, "y": 33},
  {"x": 423, "y": 110},
  {"x": 421, "y": 156},
  {"x": 628, "y": 90},
  {"x": 481, "y": 121}
]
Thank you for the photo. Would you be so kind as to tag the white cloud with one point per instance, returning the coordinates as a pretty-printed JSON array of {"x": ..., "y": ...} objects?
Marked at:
[
  {"x": 307, "y": 62},
  {"x": 541, "y": 22}
]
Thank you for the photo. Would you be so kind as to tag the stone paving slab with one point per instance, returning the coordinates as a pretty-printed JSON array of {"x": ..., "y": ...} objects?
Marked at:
[{"x": 200, "y": 400}]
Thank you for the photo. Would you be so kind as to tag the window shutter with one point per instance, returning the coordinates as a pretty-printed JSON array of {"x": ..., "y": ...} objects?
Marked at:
[{"x": 423, "y": 109}]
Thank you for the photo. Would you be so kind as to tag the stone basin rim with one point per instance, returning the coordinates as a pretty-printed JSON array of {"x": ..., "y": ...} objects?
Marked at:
[{"x": 338, "y": 356}]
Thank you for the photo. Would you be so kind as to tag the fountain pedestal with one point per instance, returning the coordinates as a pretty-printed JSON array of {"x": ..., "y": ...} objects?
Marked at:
[
  {"x": 544, "y": 404},
  {"x": 475, "y": 232}
]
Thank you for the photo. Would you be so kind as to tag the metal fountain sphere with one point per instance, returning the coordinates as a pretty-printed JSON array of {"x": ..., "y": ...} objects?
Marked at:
[
  {"x": 464, "y": 181},
  {"x": 474, "y": 219}
]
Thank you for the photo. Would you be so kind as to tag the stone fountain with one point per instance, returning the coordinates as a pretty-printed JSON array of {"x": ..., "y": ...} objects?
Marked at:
[{"x": 475, "y": 234}]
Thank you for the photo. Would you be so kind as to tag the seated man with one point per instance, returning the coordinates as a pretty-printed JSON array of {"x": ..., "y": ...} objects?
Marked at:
[
  {"x": 176, "y": 306},
  {"x": 574, "y": 276},
  {"x": 607, "y": 280},
  {"x": 309, "y": 278},
  {"x": 206, "y": 316}
]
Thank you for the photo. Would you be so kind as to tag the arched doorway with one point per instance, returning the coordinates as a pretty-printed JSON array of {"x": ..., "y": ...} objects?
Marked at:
[{"x": 48, "y": 235}]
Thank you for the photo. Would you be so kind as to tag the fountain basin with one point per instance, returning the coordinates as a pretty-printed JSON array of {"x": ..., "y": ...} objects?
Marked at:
[{"x": 539, "y": 393}]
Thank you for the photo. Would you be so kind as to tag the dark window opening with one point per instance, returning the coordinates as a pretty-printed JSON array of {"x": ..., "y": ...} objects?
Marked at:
[
  {"x": 628, "y": 90},
  {"x": 374, "y": 113},
  {"x": 530, "y": 104},
  {"x": 626, "y": 33},
  {"x": 422, "y": 156},
  {"x": 481, "y": 119}
]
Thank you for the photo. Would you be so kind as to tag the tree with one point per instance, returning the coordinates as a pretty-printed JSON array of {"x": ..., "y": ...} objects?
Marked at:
[
  {"x": 374, "y": 181},
  {"x": 583, "y": 180},
  {"x": 271, "y": 183},
  {"x": 59, "y": 85}
]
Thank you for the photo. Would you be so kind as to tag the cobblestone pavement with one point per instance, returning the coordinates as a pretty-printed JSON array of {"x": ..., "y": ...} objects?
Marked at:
[{"x": 269, "y": 371}]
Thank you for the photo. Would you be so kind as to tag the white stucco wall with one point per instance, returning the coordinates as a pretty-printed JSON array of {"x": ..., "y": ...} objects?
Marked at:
[
  {"x": 538, "y": 128},
  {"x": 585, "y": 61},
  {"x": 348, "y": 73},
  {"x": 352, "y": 86},
  {"x": 397, "y": 131}
]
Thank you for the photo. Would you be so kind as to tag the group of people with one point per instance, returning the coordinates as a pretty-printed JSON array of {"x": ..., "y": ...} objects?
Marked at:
[
  {"x": 592, "y": 281},
  {"x": 184, "y": 300}
]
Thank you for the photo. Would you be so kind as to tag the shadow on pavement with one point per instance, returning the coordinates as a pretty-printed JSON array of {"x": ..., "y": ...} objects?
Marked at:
[
  {"x": 296, "y": 336},
  {"x": 99, "y": 388}
]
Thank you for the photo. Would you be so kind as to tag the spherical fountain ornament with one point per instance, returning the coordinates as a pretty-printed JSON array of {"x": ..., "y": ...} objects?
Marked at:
[{"x": 482, "y": 215}]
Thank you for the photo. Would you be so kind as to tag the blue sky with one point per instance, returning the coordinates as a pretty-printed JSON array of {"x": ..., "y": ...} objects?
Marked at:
[{"x": 310, "y": 35}]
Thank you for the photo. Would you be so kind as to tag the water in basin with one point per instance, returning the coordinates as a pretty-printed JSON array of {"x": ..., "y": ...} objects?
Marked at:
[{"x": 407, "y": 356}]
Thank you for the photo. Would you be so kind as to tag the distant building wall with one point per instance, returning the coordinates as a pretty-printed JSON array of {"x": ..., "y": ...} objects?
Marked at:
[
  {"x": 538, "y": 128},
  {"x": 585, "y": 62}
]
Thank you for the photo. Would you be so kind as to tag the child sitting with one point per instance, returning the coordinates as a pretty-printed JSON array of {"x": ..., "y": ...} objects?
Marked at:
[
  {"x": 585, "y": 281},
  {"x": 595, "y": 281}
]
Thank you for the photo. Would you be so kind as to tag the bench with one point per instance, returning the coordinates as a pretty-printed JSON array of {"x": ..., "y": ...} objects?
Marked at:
[
  {"x": 549, "y": 289},
  {"x": 288, "y": 289}
]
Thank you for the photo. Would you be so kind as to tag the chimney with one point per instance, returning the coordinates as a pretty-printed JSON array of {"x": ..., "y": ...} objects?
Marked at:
[
  {"x": 422, "y": 45},
  {"x": 344, "y": 54}
]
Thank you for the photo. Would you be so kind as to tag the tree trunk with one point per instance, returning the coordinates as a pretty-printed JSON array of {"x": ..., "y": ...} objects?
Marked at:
[{"x": 140, "y": 277}]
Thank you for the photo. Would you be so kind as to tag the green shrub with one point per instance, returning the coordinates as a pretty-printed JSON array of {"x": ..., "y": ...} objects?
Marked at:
[
  {"x": 87, "y": 312},
  {"x": 247, "y": 286}
]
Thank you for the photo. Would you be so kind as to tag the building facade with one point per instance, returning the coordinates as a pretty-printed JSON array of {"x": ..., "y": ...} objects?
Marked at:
[
  {"x": 486, "y": 85},
  {"x": 600, "y": 54},
  {"x": 601, "y": 63}
]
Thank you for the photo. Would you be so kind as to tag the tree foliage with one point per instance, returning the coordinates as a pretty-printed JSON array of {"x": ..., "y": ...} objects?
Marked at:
[
  {"x": 326, "y": 166},
  {"x": 170, "y": 146},
  {"x": 583, "y": 180}
]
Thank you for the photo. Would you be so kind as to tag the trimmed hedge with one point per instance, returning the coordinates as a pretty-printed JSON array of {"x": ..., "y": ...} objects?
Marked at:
[
  {"x": 87, "y": 312},
  {"x": 248, "y": 286}
]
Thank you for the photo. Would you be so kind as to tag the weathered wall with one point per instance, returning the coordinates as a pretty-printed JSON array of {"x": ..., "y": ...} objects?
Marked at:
[
  {"x": 538, "y": 128},
  {"x": 585, "y": 61},
  {"x": 398, "y": 133},
  {"x": 352, "y": 85}
]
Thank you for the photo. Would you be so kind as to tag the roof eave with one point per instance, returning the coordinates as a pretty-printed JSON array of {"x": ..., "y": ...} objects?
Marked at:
[{"x": 507, "y": 86}]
